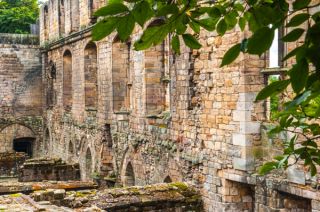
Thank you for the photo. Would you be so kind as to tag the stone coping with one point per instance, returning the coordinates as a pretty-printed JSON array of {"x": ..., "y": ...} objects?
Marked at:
[
  {"x": 24, "y": 39},
  {"x": 28, "y": 187},
  {"x": 279, "y": 184}
]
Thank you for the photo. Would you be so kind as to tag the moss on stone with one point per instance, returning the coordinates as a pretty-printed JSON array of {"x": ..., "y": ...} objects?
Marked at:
[
  {"x": 179, "y": 185},
  {"x": 16, "y": 195}
]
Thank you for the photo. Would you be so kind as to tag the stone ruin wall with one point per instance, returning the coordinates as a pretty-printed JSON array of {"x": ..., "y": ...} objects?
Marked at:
[
  {"x": 20, "y": 98},
  {"x": 193, "y": 122}
]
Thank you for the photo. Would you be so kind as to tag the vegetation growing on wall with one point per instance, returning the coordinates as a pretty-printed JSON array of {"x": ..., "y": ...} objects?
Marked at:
[
  {"x": 17, "y": 15},
  {"x": 262, "y": 18}
]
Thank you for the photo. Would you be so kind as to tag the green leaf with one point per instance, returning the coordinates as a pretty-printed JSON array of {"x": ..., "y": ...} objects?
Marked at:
[
  {"x": 231, "y": 19},
  {"x": 298, "y": 19},
  {"x": 222, "y": 27},
  {"x": 115, "y": 1},
  {"x": 274, "y": 88},
  {"x": 208, "y": 23},
  {"x": 111, "y": 9},
  {"x": 299, "y": 75},
  {"x": 125, "y": 27},
  {"x": 313, "y": 169},
  {"x": 104, "y": 28},
  {"x": 142, "y": 12},
  {"x": 299, "y": 4},
  {"x": 267, "y": 167},
  {"x": 168, "y": 9},
  {"x": 293, "y": 35},
  {"x": 242, "y": 23},
  {"x": 194, "y": 26},
  {"x": 152, "y": 36},
  {"x": 293, "y": 52},
  {"x": 214, "y": 12},
  {"x": 231, "y": 55},
  {"x": 176, "y": 44},
  {"x": 260, "y": 41},
  {"x": 191, "y": 41}
]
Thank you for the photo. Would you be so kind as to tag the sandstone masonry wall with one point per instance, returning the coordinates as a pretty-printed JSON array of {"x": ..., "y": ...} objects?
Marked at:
[
  {"x": 160, "y": 116},
  {"x": 21, "y": 91}
]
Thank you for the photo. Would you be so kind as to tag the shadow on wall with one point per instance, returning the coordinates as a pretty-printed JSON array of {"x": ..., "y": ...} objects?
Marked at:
[{"x": 18, "y": 138}]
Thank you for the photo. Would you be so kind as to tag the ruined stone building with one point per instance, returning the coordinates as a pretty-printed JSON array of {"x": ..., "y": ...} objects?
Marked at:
[{"x": 146, "y": 117}]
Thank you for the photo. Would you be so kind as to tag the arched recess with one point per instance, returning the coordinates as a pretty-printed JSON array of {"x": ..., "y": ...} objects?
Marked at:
[
  {"x": 46, "y": 141},
  {"x": 88, "y": 164},
  {"x": 45, "y": 22},
  {"x": 75, "y": 15},
  {"x": 67, "y": 80},
  {"x": 92, "y": 6},
  {"x": 90, "y": 71},
  {"x": 70, "y": 152},
  {"x": 167, "y": 180},
  {"x": 129, "y": 178},
  {"x": 154, "y": 72},
  {"x": 61, "y": 17},
  {"x": 18, "y": 138},
  {"x": 120, "y": 75}
]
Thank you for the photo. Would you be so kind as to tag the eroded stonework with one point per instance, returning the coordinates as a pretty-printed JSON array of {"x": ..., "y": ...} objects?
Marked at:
[{"x": 139, "y": 118}]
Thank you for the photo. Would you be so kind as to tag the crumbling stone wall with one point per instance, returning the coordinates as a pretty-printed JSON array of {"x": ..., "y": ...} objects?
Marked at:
[
  {"x": 40, "y": 169},
  {"x": 159, "y": 197},
  {"x": 21, "y": 92}
]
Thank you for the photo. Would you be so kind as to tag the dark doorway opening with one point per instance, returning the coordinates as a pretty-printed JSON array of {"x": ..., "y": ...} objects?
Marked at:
[{"x": 23, "y": 145}]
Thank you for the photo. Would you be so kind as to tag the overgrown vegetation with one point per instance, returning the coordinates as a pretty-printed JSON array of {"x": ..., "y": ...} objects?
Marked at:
[
  {"x": 299, "y": 115},
  {"x": 17, "y": 15}
]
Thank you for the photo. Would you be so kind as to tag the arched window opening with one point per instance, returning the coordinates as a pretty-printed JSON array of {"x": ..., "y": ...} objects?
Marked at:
[
  {"x": 50, "y": 77},
  {"x": 23, "y": 145},
  {"x": 154, "y": 74},
  {"x": 91, "y": 10},
  {"x": 70, "y": 152},
  {"x": 61, "y": 18},
  {"x": 88, "y": 164},
  {"x": 90, "y": 71},
  {"x": 67, "y": 80},
  {"x": 75, "y": 16},
  {"x": 120, "y": 75},
  {"x": 168, "y": 179},
  {"x": 45, "y": 22},
  {"x": 276, "y": 50},
  {"x": 129, "y": 176},
  {"x": 46, "y": 140}
]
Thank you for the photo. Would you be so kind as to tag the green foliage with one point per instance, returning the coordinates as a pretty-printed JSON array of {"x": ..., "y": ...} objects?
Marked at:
[
  {"x": 183, "y": 20},
  {"x": 17, "y": 15}
]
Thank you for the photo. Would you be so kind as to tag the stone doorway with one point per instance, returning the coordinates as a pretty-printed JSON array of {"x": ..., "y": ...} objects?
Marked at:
[{"x": 23, "y": 145}]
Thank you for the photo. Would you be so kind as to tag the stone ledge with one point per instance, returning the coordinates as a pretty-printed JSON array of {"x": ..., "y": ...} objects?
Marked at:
[
  {"x": 160, "y": 196},
  {"x": 27, "y": 187},
  {"x": 305, "y": 191}
]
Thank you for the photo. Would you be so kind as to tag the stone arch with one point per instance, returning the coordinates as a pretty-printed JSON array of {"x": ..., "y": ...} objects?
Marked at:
[
  {"x": 129, "y": 177},
  {"x": 88, "y": 164},
  {"x": 67, "y": 80},
  {"x": 90, "y": 71},
  {"x": 167, "y": 179},
  {"x": 17, "y": 137},
  {"x": 154, "y": 73},
  {"x": 120, "y": 75}
]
